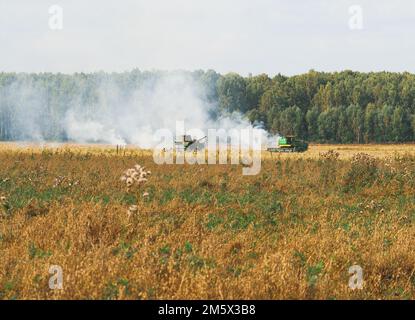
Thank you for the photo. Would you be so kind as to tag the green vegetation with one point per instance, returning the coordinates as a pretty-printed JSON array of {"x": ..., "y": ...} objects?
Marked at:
[{"x": 340, "y": 107}]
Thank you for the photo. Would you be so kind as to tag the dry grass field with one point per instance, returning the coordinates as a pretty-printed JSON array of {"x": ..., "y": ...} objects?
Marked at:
[{"x": 206, "y": 231}]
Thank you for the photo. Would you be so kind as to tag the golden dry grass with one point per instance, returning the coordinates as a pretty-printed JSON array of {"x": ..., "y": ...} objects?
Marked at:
[{"x": 207, "y": 232}]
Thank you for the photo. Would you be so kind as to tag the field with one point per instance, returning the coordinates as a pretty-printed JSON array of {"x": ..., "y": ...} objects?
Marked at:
[{"x": 206, "y": 231}]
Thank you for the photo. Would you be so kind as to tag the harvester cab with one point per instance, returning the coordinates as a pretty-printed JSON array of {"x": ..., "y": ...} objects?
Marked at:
[{"x": 289, "y": 144}]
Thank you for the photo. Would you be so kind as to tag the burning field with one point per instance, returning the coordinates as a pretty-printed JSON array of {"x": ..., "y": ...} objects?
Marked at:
[{"x": 81, "y": 222}]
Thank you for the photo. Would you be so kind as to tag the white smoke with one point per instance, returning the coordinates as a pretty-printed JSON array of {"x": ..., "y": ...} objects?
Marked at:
[
  {"x": 83, "y": 130},
  {"x": 135, "y": 119},
  {"x": 117, "y": 112},
  {"x": 22, "y": 104}
]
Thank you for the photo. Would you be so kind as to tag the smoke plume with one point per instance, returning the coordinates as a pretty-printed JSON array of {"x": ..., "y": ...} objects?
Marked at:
[{"x": 113, "y": 115}]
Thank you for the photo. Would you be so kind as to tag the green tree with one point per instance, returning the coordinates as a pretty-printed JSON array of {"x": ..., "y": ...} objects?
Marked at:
[
  {"x": 344, "y": 132},
  {"x": 312, "y": 123},
  {"x": 291, "y": 122},
  {"x": 356, "y": 120},
  {"x": 255, "y": 88},
  {"x": 385, "y": 123},
  {"x": 401, "y": 125},
  {"x": 370, "y": 123},
  {"x": 328, "y": 124},
  {"x": 413, "y": 127},
  {"x": 272, "y": 103},
  {"x": 232, "y": 93}
]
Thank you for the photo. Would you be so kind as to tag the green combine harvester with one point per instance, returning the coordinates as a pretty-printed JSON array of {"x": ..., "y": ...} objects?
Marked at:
[{"x": 289, "y": 144}]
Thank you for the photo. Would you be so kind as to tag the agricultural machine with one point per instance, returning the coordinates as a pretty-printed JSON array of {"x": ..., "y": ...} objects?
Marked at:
[
  {"x": 186, "y": 142},
  {"x": 289, "y": 144}
]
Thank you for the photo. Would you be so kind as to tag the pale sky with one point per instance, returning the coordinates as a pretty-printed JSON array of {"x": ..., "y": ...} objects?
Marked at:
[{"x": 244, "y": 36}]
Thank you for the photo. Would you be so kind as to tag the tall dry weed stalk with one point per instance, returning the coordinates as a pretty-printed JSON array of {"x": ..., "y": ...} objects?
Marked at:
[{"x": 135, "y": 178}]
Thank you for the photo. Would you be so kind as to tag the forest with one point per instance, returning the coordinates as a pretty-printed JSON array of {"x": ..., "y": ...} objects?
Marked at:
[{"x": 338, "y": 107}]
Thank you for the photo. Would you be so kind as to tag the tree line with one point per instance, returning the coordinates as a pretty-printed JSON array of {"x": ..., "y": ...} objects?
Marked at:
[
  {"x": 342, "y": 107},
  {"x": 338, "y": 107}
]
